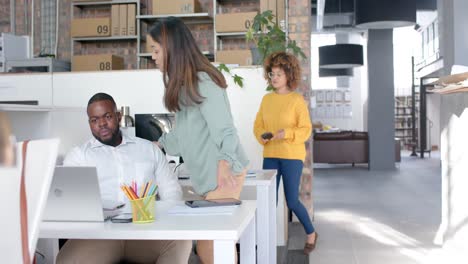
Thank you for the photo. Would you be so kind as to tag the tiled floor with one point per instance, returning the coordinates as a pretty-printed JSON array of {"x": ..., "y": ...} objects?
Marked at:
[{"x": 367, "y": 217}]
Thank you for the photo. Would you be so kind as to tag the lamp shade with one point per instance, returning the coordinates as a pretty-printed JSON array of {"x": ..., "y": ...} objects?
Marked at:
[
  {"x": 340, "y": 56},
  {"x": 348, "y": 72},
  {"x": 385, "y": 14}
]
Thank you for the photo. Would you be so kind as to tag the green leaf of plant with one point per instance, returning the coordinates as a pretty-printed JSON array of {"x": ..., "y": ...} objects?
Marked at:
[
  {"x": 238, "y": 80},
  {"x": 222, "y": 67}
]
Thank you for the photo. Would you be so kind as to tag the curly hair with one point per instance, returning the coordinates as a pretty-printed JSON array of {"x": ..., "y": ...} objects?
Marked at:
[{"x": 288, "y": 63}]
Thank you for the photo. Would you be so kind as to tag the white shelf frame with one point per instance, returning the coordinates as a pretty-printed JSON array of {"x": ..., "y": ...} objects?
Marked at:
[
  {"x": 113, "y": 2},
  {"x": 84, "y": 39}
]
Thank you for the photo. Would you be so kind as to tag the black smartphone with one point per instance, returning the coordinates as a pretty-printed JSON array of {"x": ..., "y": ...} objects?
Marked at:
[
  {"x": 122, "y": 218},
  {"x": 267, "y": 135},
  {"x": 212, "y": 202}
]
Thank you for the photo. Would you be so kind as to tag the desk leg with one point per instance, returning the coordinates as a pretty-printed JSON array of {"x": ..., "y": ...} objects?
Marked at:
[
  {"x": 272, "y": 222},
  {"x": 49, "y": 248},
  {"x": 247, "y": 244},
  {"x": 266, "y": 224},
  {"x": 224, "y": 251}
]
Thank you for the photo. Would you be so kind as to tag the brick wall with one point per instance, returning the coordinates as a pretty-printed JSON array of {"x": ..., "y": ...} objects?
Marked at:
[
  {"x": 4, "y": 15},
  {"x": 300, "y": 31},
  {"x": 21, "y": 27}
]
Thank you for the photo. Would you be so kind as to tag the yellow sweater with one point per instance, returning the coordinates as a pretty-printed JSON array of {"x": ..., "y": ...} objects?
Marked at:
[{"x": 288, "y": 112}]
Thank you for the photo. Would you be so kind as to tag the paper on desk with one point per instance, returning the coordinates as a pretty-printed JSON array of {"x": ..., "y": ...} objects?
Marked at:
[
  {"x": 216, "y": 210},
  {"x": 112, "y": 205}
]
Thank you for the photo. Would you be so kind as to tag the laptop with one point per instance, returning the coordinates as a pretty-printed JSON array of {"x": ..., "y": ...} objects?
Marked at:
[{"x": 74, "y": 196}]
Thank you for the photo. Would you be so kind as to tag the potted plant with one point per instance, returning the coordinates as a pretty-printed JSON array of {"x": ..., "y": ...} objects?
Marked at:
[{"x": 268, "y": 37}]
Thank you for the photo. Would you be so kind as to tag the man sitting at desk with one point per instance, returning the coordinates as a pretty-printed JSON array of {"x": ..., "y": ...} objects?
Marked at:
[{"x": 121, "y": 159}]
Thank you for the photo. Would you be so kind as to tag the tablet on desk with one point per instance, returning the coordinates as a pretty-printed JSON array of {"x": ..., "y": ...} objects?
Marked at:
[{"x": 213, "y": 202}]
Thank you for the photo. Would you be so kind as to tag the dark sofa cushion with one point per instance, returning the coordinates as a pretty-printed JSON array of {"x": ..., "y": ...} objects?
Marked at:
[
  {"x": 360, "y": 135},
  {"x": 342, "y": 135}
]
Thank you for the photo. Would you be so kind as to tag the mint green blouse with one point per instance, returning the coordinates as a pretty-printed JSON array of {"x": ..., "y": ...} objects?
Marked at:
[{"x": 205, "y": 134}]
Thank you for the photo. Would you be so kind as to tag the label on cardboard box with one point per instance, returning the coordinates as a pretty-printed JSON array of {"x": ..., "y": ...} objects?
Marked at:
[
  {"x": 90, "y": 27},
  {"x": 163, "y": 7},
  {"x": 234, "y": 22},
  {"x": 241, "y": 57},
  {"x": 100, "y": 62}
]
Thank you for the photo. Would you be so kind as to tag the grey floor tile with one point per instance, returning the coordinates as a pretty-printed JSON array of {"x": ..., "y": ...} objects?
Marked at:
[
  {"x": 332, "y": 257},
  {"x": 366, "y": 216}
]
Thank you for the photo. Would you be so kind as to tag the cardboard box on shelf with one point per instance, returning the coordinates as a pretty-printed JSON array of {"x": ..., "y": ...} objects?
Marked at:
[
  {"x": 99, "y": 62},
  {"x": 268, "y": 5},
  {"x": 90, "y": 27},
  {"x": 264, "y": 5},
  {"x": 280, "y": 12},
  {"x": 234, "y": 22},
  {"x": 123, "y": 20},
  {"x": 276, "y": 6},
  {"x": 131, "y": 19},
  {"x": 163, "y": 7},
  {"x": 115, "y": 14},
  {"x": 241, "y": 57}
]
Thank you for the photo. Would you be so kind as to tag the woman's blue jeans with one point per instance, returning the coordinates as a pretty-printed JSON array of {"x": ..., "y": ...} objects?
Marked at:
[{"x": 291, "y": 171}]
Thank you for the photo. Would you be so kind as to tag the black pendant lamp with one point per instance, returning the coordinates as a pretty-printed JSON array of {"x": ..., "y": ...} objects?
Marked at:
[
  {"x": 385, "y": 14},
  {"x": 348, "y": 72},
  {"x": 340, "y": 56}
]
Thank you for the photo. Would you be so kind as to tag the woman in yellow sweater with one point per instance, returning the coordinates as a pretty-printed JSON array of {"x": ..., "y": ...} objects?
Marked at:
[{"x": 282, "y": 126}]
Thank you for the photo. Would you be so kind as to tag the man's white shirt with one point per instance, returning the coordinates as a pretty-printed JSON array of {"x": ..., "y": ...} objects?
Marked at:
[{"x": 134, "y": 159}]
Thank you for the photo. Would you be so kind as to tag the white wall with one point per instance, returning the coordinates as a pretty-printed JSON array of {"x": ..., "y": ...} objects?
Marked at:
[
  {"x": 433, "y": 114},
  {"x": 141, "y": 90}
]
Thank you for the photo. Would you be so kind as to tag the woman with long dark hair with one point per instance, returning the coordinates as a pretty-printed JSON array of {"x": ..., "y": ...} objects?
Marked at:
[{"x": 204, "y": 134}]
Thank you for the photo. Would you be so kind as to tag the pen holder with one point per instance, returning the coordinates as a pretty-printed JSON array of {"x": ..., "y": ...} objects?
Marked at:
[{"x": 143, "y": 209}]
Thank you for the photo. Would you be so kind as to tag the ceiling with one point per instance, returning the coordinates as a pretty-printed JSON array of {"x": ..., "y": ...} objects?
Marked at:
[{"x": 338, "y": 15}]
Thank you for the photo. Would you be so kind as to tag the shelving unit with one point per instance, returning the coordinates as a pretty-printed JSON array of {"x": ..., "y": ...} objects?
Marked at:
[
  {"x": 403, "y": 121},
  {"x": 81, "y": 5},
  {"x": 221, "y": 36},
  {"x": 189, "y": 19},
  {"x": 145, "y": 18}
]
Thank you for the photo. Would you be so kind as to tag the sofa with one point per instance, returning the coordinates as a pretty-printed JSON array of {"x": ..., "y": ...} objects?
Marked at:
[{"x": 344, "y": 147}]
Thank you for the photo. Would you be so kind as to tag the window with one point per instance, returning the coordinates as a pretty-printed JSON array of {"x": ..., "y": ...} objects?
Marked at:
[
  {"x": 318, "y": 40},
  {"x": 404, "y": 41}
]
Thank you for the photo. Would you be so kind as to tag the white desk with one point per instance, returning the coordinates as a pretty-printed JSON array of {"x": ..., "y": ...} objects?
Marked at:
[
  {"x": 225, "y": 230},
  {"x": 265, "y": 183}
]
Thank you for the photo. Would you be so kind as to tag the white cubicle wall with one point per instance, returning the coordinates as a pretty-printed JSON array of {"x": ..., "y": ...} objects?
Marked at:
[
  {"x": 21, "y": 87},
  {"x": 68, "y": 93},
  {"x": 143, "y": 91}
]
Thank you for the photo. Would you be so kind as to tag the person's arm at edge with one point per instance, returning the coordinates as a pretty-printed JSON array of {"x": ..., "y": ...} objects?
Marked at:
[{"x": 74, "y": 158}]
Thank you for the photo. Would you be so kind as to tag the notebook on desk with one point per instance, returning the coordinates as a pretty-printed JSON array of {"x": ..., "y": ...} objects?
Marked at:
[{"x": 75, "y": 196}]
